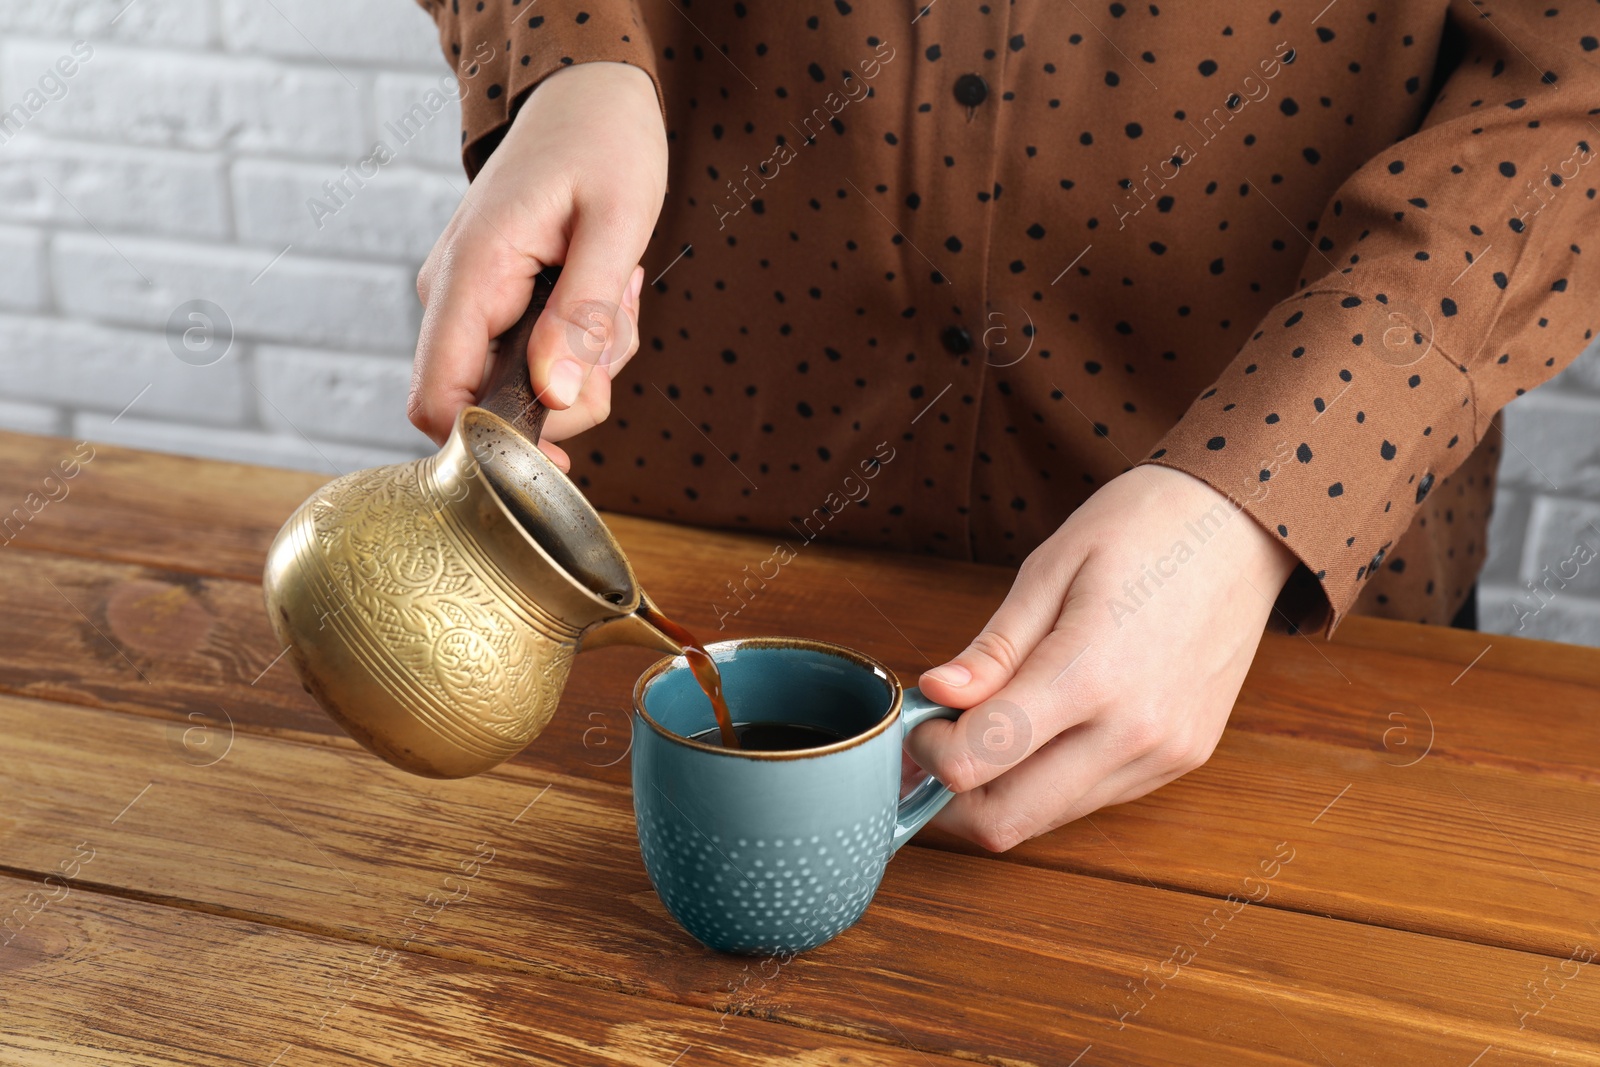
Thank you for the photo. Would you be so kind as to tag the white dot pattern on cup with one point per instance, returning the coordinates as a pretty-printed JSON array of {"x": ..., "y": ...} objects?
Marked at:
[{"x": 765, "y": 894}]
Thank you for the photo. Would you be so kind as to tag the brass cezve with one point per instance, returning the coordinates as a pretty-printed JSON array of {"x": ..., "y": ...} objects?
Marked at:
[{"x": 433, "y": 607}]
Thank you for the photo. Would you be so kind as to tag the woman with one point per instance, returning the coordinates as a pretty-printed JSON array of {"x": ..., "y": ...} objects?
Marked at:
[{"x": 1070, "y": 287}]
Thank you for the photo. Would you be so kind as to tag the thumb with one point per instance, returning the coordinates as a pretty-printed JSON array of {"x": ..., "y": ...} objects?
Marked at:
[{"x": 584, "y": 325}]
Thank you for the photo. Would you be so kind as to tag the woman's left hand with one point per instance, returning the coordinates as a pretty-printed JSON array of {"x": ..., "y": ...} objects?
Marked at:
[{"x": 1112, "y": 665}]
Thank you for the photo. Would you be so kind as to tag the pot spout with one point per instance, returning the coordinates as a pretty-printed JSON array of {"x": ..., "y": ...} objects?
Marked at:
[{"x": 645, "y": 627}]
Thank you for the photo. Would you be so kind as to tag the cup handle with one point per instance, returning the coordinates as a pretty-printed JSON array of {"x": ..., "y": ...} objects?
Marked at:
[{"x": 923, "y": 802}]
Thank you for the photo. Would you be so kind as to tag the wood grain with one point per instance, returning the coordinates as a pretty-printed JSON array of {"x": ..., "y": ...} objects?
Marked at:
[
  {"x": 112, "y": 980},
  {"x": 112, "y": 634},
  {"x": 1432, "y": 782},
  {"x": 213, "y": 518},
  {"x": 960, "y": 955},
  {"x": 194, "y": 650},
  {"x": 144, "y": 507}
]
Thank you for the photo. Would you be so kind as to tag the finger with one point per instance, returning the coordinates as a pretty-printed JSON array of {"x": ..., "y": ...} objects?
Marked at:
[
  {"x": 911, "y": 775},
  {"x": 630, "y": 304},
  {"x": 591, "y": 408},
  {"x": 593, "y": 405},
  {"x": 449, "y": 363},
  {"x": 452, "y": 346},
  {"x": 1052, "y": 691},
  {"x": 557, "y": 454},
  {"x": 583, "y": 326},
  {"x": 1074, "y": 776},
  {"x": 1029, "y": 612}
]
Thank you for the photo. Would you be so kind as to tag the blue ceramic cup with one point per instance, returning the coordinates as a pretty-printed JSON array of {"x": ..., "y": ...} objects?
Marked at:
[{"x": 769, "y": 852}]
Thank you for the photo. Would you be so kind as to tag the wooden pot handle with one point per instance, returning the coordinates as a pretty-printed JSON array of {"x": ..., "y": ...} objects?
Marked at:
[{"x": 509, "y": 393}]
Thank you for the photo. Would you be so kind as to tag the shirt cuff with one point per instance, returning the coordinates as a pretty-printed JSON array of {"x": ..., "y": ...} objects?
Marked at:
[
  {"x": 1330, "y": 428},
  {"x": 501, "y": 54}
]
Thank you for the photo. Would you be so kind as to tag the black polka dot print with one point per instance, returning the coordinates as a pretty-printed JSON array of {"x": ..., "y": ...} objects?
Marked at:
[{"x": 973, "y": 266}]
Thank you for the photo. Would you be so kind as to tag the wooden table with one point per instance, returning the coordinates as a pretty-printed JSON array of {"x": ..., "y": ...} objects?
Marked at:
[{"x": 199, "y": 868}]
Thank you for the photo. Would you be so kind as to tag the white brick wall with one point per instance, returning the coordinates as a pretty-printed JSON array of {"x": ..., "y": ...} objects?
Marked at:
[
  {"x": 22, "y": 277},
  {"x": 81, "y": 366},
  {"x": 139, "y": 281},
  {"x": 1543, "y": 574},
  {"x": 177, "y": 99},
  {"x": 173, "y": 23},
  {"x": 397, "y": 217},
  {"x": 178, "y": 164},
  {"x": 372, "y": 31},
  {"x": 46, "y": 182}
]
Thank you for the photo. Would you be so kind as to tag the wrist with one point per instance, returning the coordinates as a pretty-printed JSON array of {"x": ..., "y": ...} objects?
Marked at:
[
  {"x": 606, "y": 77},
  {"x": 1253, "y": 550},
  {"x": 1270, "y": 562}
]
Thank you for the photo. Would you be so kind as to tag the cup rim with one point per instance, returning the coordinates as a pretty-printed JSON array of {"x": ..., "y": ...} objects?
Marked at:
[{"x": 861, "y": 659}]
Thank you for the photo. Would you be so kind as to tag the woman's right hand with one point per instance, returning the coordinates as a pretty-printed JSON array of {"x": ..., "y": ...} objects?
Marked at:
[{"x": 578, "y": 181}]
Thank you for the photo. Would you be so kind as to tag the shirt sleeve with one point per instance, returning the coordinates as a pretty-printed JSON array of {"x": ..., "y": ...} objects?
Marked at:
[
  {"x": 502, "y": 51},
  {"x": 1450, "y": 274}
]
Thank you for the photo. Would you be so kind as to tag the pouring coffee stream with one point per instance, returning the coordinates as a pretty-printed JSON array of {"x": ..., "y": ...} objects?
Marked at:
[
  {"x": 433, "y": 607},
  {"x": 704, "y": 669},
  {"x": 510, "y": 395}
]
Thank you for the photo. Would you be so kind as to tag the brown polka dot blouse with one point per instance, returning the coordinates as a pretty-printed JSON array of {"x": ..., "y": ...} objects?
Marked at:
[{"x": 992, "y": 255}]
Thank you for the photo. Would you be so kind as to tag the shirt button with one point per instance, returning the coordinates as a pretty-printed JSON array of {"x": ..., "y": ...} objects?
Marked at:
[
  {"x": 957, "y": 341},
  {"x": 971, "y": 90}
]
